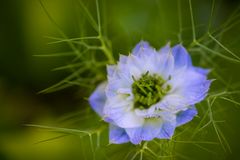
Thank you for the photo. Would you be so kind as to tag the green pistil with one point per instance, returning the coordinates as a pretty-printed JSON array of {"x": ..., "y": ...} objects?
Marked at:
[{"x": 148, "y": 90}]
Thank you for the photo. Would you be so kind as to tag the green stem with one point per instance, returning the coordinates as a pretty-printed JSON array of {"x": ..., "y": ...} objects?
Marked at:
[{"x": 106, "y": 50}]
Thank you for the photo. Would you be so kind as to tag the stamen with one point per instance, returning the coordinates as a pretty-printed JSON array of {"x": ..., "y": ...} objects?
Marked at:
[{"x": 148, "y": 90}]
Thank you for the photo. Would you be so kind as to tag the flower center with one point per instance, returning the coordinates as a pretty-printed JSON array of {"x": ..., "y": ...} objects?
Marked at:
[{"x": 148, "y": 90}]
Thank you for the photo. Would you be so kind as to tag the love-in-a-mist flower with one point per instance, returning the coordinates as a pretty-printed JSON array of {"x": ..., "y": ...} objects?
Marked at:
[{"x": 149, "y": 93}]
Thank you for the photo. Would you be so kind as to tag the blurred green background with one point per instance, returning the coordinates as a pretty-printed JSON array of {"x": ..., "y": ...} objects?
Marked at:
[{"x": 24, "y": 28}]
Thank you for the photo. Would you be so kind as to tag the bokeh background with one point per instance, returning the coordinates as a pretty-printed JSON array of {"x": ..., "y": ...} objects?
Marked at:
[{"x": 24, "y": 28}]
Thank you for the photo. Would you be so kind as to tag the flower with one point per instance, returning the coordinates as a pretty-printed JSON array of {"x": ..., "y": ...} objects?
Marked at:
[{"x": 149, "y": 93}]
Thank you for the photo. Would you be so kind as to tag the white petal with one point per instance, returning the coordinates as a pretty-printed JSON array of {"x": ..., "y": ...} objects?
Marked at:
[
  {"x": 166, "y": 49},
  {"x": 127, "y": 119},
  {"x": 150, "y": 130},
  {"x": 167, "y": 65}
]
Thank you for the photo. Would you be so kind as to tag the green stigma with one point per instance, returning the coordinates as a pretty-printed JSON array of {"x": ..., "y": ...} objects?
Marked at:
[{"x": 148, "y": 90}]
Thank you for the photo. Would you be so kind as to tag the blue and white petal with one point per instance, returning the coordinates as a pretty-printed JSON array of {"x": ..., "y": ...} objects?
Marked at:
[
  {"x": 125, "y": 119},
  {"x": 142, "y": 48},
  {"x": 186, "y": 116},
  {"x": 98, "y": 99},
  {"x": 201, "y": 70},
  {"x": 181, "y": 57},
  {"x": 117, "y": 135},
  {"x": 121, "y": 112},
  {"x": 167, "y": 130},
  {"x": 150, "y": 130},
  {"x": 188, "y": 88},
  {"x": 166, "y": 49},
  {"x": 166, "y": 62}
]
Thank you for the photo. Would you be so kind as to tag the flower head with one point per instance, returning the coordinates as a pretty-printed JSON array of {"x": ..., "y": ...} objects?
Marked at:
[{"x": 149, "y": 93}]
